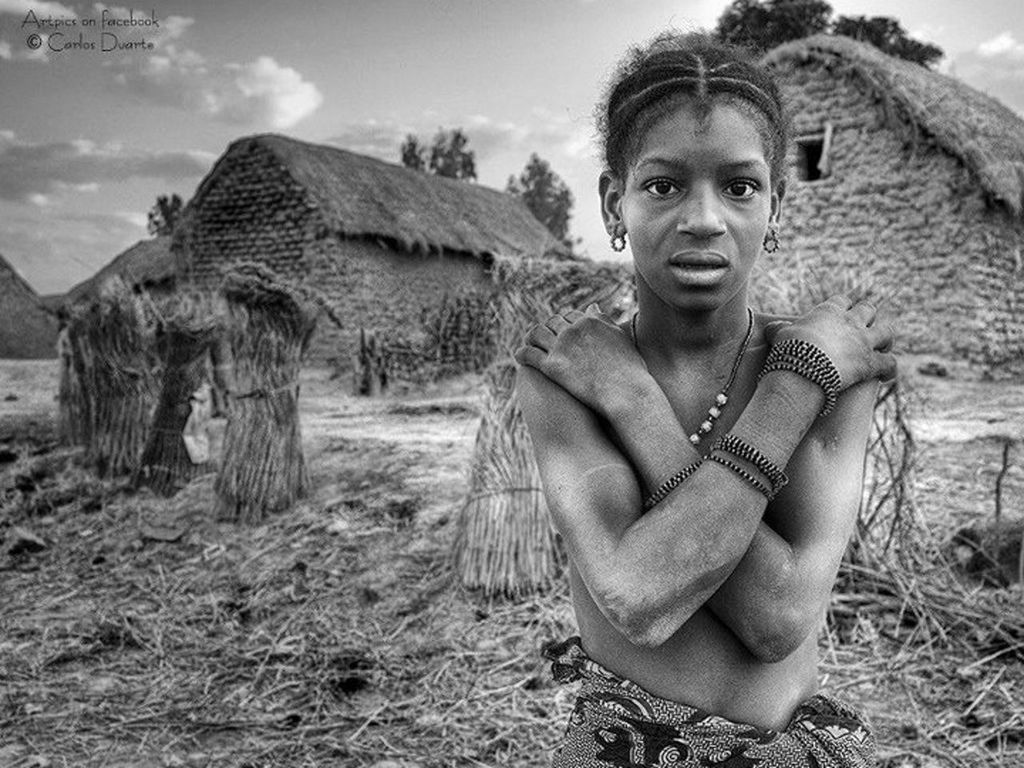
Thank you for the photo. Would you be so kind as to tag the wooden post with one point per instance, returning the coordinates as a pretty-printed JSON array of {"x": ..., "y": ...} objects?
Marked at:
[{"x": 369, "y": 371}]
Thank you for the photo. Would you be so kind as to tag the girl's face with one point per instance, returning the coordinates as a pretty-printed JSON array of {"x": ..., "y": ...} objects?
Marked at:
[{"x": 696, "y": 203}]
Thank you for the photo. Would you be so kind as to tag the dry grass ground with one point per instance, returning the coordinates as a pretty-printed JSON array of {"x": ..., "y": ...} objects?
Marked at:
[{"x": 147, "y": 634}]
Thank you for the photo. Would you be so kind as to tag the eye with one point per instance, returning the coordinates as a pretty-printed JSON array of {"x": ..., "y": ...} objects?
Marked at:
[
  {"x": 661, "y": 187},
  {"x": 742, "y": 188}
]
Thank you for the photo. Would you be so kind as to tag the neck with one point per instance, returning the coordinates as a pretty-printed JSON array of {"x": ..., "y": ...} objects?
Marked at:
[{"x": 670, "y": 332}]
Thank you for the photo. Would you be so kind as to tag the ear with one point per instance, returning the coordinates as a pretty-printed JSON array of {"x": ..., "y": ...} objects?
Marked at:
[
  {"x": 776, "y": 206},
  {"x": 610, "y": 189}
]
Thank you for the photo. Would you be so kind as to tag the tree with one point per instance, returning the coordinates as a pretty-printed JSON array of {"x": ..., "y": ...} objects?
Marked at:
[
  {"x": 888, "y": 35},
  {"x": 546, "y": 195},
  {"x": 164, "y": 215},
  {"x": 450, "y": 158},
  {"x": 448, "y": 155},
  {"x": 414, "y": 154},
  {"x": 763, "y": 25}
]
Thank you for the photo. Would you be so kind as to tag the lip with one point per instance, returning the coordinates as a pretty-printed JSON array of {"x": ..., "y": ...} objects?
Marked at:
[{"x": 698, "y": 259}]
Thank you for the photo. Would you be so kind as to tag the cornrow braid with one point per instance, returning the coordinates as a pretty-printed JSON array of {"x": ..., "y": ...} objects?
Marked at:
[{"x": 650, "y": 81}]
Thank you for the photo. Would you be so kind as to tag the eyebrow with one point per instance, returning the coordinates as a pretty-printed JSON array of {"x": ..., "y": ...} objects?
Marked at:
[{"x": 738, "y": 165}]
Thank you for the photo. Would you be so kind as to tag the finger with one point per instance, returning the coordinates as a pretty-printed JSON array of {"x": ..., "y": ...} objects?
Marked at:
[
  {"x": 574, "y": 315},
  {"x": 866, "y": 311},
  {"x": 557, "y": 323},
  {"x": 531, "y": 356},
  {"x": 540, "y": 336},
  {"x": 883, "y": 336},
  {"x": 885, "y": 363},
  {"x": 840, "y": 300},
  {"x": 772, "y": 328}
]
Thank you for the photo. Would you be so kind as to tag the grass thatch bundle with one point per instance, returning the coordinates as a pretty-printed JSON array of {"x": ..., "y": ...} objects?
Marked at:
[
  {"x": 505, "y": 542},
  {"x": 189, "y": 327},
  {"x": 71, "y": 402},
  {"x": 116, "y": 369},
  {"x": 262, "y": 466}
]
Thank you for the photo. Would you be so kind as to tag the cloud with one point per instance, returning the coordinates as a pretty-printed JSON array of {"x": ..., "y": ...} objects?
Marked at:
[
  {"x": 170, "y": 28},
  {"x": 22, "y": 52},
  {"x": 995, "y": 67},
  {"x": 266, "y": 92},
  {"x": 260, "y": 92},
  {"x": 55, "y": 252},
  {"x": 489, "y": 139},
  {"x": 42, "y": 10},
  {"x": 35, "y": 172},
  {"x": 1002, "y": 45}
]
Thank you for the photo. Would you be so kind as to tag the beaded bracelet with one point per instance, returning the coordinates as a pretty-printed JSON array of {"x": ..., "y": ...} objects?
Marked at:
[
  {"x": 805, "y": 359},
  {"x": 669, "y": 485},
  {"x": 764, "y": 489},
  {"x": 744, "y": 450}
]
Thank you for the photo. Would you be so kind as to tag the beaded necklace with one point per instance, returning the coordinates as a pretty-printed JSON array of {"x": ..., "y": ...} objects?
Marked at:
[{"x": 722, "y": 397}]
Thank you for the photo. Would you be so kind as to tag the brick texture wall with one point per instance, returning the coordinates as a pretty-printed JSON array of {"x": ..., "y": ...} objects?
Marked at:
[
  {"x": 253, "y": 210},
  {"x": 373, "y": 285},
  {"x": 906, "y": 218}
]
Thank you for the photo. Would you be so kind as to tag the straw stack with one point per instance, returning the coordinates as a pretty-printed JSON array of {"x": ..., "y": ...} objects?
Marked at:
[
  {"x": 116, "y": 368},
  {"x": 70, "y": 398},
  {"x": 505, "y": 544},
  {"x": 190, "y": 326},
  {"x": 262, "y": 466}
]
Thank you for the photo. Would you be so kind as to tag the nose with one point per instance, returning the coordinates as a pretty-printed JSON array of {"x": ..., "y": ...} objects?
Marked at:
[{"x": 699, "y": 214}]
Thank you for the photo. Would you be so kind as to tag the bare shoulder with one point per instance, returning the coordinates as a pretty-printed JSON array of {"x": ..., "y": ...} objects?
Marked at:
[{"x": 551, "y": 413}]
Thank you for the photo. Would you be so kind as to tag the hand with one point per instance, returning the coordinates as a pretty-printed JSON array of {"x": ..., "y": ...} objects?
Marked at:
[
  {"x": 586, "y": 354},
  {"x": 848, "y": 333}
]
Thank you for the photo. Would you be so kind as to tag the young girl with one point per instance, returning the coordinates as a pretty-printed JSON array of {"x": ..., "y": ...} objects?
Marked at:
[{"x": 702, "y": 462}]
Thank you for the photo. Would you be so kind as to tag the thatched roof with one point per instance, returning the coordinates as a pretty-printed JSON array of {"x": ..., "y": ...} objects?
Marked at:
[
  {"x": 27, "y": 329},
  {"x": 986, "y": 135},
  {"x": 144, "y": 265},
  {"x": 361, "y": 196}
]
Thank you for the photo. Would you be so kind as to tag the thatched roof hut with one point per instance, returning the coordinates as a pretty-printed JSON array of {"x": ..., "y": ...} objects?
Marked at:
[
  {"x": 27, "y": 329},
  {"x": 382, "y": 242},
  {"x": 913, "y": 182},
  {"x": 147, "y": 265}
]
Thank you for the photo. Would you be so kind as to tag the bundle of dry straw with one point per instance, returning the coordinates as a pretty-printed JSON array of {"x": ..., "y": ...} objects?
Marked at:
[
  {"x": 505, "y": 543},
  {"x": 188, "y": 327},
  {"x": 71, "y": 421},
  {"x": 262, "y": 466},
  {"x": 113, "y": 360}
]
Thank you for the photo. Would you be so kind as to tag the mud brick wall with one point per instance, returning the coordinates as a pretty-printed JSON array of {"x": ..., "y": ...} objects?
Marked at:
[
  {"x": 372, "y": 284},
  {"x": 251, "y": 210},
  {"x": 905, "y": 217}
]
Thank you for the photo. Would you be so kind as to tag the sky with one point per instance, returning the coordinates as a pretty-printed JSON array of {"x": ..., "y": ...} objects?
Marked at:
[{"x": 105, "y": 107}]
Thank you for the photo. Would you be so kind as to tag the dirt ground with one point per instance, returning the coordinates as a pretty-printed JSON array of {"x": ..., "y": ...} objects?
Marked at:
[{"x": 141, "y": 632}]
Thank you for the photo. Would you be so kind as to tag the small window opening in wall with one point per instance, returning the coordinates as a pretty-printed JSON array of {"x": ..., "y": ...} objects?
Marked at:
[
  {"x": 813, "y": 161},
  {"x": 809, "y": 158}
]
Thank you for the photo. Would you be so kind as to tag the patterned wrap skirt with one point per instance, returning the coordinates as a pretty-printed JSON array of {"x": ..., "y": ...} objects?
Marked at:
[{"x": 617, "y": 723}]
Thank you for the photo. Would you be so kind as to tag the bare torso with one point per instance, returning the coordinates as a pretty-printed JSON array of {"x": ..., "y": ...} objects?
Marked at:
[{"x": 704, "y": 664}]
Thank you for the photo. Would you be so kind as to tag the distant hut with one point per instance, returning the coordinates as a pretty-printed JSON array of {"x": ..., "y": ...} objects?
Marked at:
[
  {"x": 913, "y": 182},
  {"x": 383, "y": 243},
  {"x": 148, "y": 265},
  {"x": 27, "y": 329}
]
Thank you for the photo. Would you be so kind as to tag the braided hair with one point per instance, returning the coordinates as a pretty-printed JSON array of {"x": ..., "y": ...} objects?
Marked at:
[{"x": 696, "y": 69}]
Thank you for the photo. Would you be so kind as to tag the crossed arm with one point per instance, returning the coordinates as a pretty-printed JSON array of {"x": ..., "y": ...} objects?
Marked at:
[{"x": 765, "y": 573}]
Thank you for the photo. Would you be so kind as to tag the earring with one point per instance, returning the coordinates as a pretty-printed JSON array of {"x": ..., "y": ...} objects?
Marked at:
[
  {"x": 771, "y": 239},
  {"x": 619, "y": 240}
]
